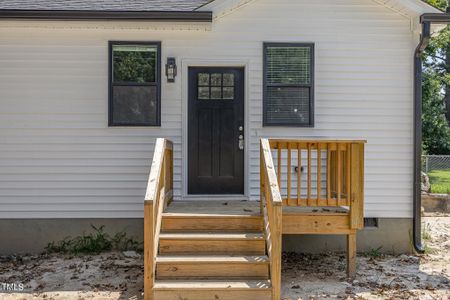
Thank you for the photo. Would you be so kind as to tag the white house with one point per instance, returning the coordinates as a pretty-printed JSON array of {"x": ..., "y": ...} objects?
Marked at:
[{"x": 86, "y": 87}]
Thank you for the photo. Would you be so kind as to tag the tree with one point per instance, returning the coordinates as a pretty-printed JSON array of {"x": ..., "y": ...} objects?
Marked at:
[{"x": 436, "y": 90}]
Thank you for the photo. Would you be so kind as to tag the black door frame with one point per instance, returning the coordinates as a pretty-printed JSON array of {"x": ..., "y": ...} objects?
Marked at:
[{"x": 187, "y": 122}]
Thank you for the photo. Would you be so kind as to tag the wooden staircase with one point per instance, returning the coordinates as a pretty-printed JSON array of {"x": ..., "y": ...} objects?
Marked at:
[
  {"x": 213, "y": 256},
  {"x": 193, "y": 251}
]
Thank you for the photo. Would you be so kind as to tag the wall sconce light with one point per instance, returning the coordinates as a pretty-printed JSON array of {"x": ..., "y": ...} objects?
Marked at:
[{"x": 171, "y": 69}]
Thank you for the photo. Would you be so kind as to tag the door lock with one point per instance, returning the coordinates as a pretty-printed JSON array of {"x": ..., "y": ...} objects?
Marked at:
[{"x": 241, "y": 142}]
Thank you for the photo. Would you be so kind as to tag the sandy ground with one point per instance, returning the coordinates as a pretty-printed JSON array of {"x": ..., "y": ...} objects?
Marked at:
[{"x": 114, "y": 276}]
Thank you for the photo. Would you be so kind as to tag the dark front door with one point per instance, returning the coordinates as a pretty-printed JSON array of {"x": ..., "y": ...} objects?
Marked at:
[{"x": 216, "y": 130}]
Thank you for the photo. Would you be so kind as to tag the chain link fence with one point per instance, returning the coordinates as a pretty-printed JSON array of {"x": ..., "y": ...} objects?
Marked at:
[{"x": 435, "y": 162}]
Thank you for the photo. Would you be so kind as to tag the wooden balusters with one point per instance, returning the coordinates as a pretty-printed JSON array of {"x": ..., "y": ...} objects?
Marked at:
[
  {"x": 299, "y": 173},
  {"x": 319, "y": 171},
  {"x": 348, "y": 175},
  {"x": 336, "y": 177},
  {"x": 289, "y": 174},
  {"x": 309, "y": 175},
  {"x": 338, "y": 174},
  {"x": 328, "y": 173}
]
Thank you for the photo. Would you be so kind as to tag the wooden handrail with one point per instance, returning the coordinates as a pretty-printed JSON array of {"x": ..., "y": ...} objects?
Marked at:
[
  {"x": 159, "y": 193},
  {"x": 271, "y": 209}
]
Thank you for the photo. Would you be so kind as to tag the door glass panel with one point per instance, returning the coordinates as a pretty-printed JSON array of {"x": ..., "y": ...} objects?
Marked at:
[
  {"x": 216, "y": 93},
  {"x": 228, "y": 93},
  {"x": 203, "y": 79},
  {"x": 216, "y": 79},
  {"x": 203, "y": 92},
  {"x": 228, "y": 79}
]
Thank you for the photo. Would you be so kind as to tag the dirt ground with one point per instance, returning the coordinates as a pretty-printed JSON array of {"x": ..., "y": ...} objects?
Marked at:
[{"x": 115, "y": 276}]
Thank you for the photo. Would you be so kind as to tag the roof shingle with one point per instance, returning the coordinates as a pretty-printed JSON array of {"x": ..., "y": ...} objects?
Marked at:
[{"x": 103, "y": 5}]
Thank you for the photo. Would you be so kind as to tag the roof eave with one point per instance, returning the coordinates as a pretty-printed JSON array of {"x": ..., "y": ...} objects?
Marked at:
[{"x": 88, "y": 15}]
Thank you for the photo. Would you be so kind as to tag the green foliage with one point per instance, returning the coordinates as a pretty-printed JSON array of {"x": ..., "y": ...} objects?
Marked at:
[
  {"x": 440, "y": 181},
  {"x": 374, "y": 253},
  {"x": 134, "y": 66},
  {"x": 93, "y": 243},
  {"x": 435, "y": 129},
  {"x": 436, "y": 89},
  {"x": 441, "y": 4}
]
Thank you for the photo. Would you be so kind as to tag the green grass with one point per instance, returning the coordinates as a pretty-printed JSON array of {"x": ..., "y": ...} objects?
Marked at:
[
  {"x": 440, "y": 181},
  {"x": 426, "y": 232}
]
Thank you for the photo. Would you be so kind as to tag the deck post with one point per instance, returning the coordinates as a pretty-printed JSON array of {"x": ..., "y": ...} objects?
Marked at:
[
  {"x": 351, "y": 255},
  {"x": 357, "y": 186},
  {"x": 276, "y": 251},
  {"x": 148, "y": 250}
]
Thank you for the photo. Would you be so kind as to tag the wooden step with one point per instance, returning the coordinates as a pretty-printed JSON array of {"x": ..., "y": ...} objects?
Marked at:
[
  {"x": 212, "y": 267},
  {"x": 212, "y": 243},
  {"x": 175, "y": 222},
  {"x": 208, "y": 290}
]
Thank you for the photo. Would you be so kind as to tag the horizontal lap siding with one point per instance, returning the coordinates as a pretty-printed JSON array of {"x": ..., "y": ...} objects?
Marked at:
[{"x": 59, "y": 159}]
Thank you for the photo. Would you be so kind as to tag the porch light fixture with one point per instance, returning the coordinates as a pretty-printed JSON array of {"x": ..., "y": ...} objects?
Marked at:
[{"x": 171, "y": 69}]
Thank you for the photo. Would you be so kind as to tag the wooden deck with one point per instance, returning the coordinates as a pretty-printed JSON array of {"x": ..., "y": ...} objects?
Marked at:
[{"x": 197, "y": 250}]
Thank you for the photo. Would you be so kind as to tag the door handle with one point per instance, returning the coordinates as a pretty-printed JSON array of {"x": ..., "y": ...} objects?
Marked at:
[{"x": 241, "y": 142}]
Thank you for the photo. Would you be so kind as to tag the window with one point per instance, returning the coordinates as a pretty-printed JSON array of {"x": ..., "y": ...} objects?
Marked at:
[
  {"x": 288, "y": 84},
  {"x": 135, "y": 84},
  {"x": 216, "y": 86}
]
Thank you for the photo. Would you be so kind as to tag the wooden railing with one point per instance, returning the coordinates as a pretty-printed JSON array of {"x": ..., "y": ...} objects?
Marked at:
[
  {"x": 158, "y": 195},
  {"x": 271, "y": 209},
  {"x": 321, "y": 173}
]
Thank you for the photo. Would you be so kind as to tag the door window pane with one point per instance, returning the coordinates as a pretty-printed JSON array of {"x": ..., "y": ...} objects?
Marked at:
[
  {"x": 203, "y": 92},
  {"x": 228, "y": 79},
  {"x": 203, "y": 79},
  {"x": 216, "y": 93},
  {"x": 216, "y": 79},
  {"x": 228, "y": 93}
]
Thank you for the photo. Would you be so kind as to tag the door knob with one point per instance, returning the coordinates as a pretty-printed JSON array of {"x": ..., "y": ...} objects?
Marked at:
[{"x": 241, "y": 142}]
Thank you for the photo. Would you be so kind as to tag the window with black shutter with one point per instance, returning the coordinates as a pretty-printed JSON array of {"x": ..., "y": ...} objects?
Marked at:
[
  {"x": 288, "y": 84},
  {"x": 135, "y": 78}
]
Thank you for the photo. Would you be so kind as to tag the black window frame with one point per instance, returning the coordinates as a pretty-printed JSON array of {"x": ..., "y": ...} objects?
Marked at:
[
  {"x": 111, "y": 84},
  {"x": 266, "y": 45}
]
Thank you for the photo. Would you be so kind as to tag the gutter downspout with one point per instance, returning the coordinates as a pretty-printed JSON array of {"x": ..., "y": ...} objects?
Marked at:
[
  {"x": 426, "y": 20},
  {"x": 417, "y": 201}
]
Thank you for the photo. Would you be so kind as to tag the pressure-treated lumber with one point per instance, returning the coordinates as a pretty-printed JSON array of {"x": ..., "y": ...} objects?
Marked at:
[
  {"x": 174, "y": 222},
  {"x": 157, "y": 196},
  {"x": 210, "y": 290},
  {"x": 212, "y": 267},
  {"x": 272, "y": 212},
  {"x": 357, "y": 186},
  {"x": 351, "y": 255},
  {"x": 231, "y": 243},
  {"x": 315, "y": 224},
  {"x": 148, "y": 251}
]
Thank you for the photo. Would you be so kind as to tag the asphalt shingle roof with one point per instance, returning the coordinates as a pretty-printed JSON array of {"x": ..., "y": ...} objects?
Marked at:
[{"x": 103, "y": 5}]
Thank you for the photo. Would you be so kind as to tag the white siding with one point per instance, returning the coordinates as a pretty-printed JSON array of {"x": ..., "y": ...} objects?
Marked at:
[{"x": 58, "y": 158}]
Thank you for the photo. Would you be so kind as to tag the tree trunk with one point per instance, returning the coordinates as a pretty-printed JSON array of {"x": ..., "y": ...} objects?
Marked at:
[{"x": 447, "y": 86}]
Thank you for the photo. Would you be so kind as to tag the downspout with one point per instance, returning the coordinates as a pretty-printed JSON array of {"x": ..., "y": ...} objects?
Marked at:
[
  {"x": 426, "y": 20},
  {"x": 417, "y": 201}
]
